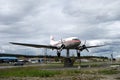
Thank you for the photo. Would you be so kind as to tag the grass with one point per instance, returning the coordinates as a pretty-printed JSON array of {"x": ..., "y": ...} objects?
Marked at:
[
  {"x": 37, "y": 72},
  {"x": 27, "y": 72},
  {"x": 108, "y": 71},
  {"x": 48, "y": 71},
  {"x": 55, "y": 74}
]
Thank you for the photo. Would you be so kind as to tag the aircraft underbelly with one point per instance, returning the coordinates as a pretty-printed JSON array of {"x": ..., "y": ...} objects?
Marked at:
[{"x": 71, "y": 44}]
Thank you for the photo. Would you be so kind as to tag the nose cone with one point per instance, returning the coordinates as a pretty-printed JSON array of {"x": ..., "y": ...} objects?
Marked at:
[{"x": 79, "y": 42}]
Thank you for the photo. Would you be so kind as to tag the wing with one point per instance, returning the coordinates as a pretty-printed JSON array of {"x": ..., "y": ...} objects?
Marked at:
[
  {"x": 35, "y": 45},
  {"x": 94, "y": 46},
  {"x": 81, "y": 48}
]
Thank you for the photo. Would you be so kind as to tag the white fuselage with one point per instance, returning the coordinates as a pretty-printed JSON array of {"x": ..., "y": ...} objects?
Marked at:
[{"x": 72, "y": 42}]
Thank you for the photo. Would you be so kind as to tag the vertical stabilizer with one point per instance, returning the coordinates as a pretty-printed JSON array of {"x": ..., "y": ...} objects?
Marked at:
[{"x": 52, "y": 41}]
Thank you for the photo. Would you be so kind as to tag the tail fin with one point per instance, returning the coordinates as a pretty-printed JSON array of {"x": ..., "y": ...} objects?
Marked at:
[{"x": 52, "y": 41}]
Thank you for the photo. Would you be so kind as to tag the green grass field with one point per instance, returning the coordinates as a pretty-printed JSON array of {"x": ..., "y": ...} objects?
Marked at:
[{"x": 50, "y": 70}]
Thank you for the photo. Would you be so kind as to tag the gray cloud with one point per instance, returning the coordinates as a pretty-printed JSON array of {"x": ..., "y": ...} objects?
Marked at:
[
  {"x": 34, "y": 21},
  {"x": 13, "y": 11}
]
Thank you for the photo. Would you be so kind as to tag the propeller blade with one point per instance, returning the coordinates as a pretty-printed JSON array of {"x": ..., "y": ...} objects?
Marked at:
[
  {"x": 62, "y": 45},
  {"x": 87, "y": 49},
  {"x": 61, "y": 41},
  {"x": 84, "y": 46}
]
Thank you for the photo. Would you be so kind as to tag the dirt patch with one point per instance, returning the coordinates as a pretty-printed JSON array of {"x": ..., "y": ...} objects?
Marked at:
[{"x": 111, "y": 77}]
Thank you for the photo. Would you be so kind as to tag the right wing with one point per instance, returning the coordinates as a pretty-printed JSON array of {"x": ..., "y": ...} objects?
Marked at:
[
  {"x": 35, "y": 45},
  {"x": 86, "y": 47},
  {"x": 94, "y": 46}
]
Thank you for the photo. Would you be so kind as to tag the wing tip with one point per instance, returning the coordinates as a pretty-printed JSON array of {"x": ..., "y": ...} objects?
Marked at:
[{"x": 11, "y": 42}]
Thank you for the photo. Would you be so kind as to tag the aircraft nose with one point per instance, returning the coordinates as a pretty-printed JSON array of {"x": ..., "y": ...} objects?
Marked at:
[{"x": 79, "y": 41}]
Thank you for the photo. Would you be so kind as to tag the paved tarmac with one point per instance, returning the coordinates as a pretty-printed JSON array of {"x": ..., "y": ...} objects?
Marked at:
[{"x": 26, "y": 65}]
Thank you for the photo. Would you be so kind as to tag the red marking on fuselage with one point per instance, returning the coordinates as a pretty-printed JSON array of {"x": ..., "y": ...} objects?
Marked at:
[{"x": 69, "y": 41}]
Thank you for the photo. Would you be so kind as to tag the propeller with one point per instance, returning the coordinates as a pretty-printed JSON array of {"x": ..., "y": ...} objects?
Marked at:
[
  {"x": 61, "y": 41},
  {"x": 84, "y": 46},
  {"x": 62, "y": 46},
  {"x": 60, "y": 49}
]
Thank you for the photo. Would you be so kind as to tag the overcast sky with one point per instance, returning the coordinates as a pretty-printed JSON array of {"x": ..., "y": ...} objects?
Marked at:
[{"x": 33, "y": 21}]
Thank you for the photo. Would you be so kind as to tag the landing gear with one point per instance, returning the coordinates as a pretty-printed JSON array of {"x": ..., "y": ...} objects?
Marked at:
[
  {"x": 58, "y": 53},
  {"x": 59, "y": 50},
  {"x": 78, "y": 53}
]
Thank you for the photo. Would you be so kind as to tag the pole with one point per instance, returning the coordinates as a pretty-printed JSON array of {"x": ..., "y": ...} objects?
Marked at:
[{"x": 46, "y": 55}]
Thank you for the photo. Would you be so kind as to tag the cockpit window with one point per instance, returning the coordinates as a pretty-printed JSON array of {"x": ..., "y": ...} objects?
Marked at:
[{"x": 75, "y": 39}]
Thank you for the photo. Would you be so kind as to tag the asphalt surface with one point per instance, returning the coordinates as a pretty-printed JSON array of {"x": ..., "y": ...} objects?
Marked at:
[
  {"x": 12, "y": 66},
  {"x": 103, "y": 65}
]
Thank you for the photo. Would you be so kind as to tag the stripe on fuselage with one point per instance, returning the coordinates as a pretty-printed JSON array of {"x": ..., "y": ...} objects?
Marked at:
[{"x": 69, "y": 43}]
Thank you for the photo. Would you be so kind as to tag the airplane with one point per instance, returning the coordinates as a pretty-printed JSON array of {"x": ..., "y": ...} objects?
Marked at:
[{"x": 68, "y": 44}]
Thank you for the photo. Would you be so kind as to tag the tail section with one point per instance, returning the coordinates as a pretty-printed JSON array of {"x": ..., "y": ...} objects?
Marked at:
[{"x": 52, "y": 41}]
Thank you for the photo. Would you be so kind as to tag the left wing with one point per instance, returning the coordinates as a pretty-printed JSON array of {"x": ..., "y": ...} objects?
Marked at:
[
  {"x": 54, "y": 47},
  {"x": 35, "y": 45}
]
